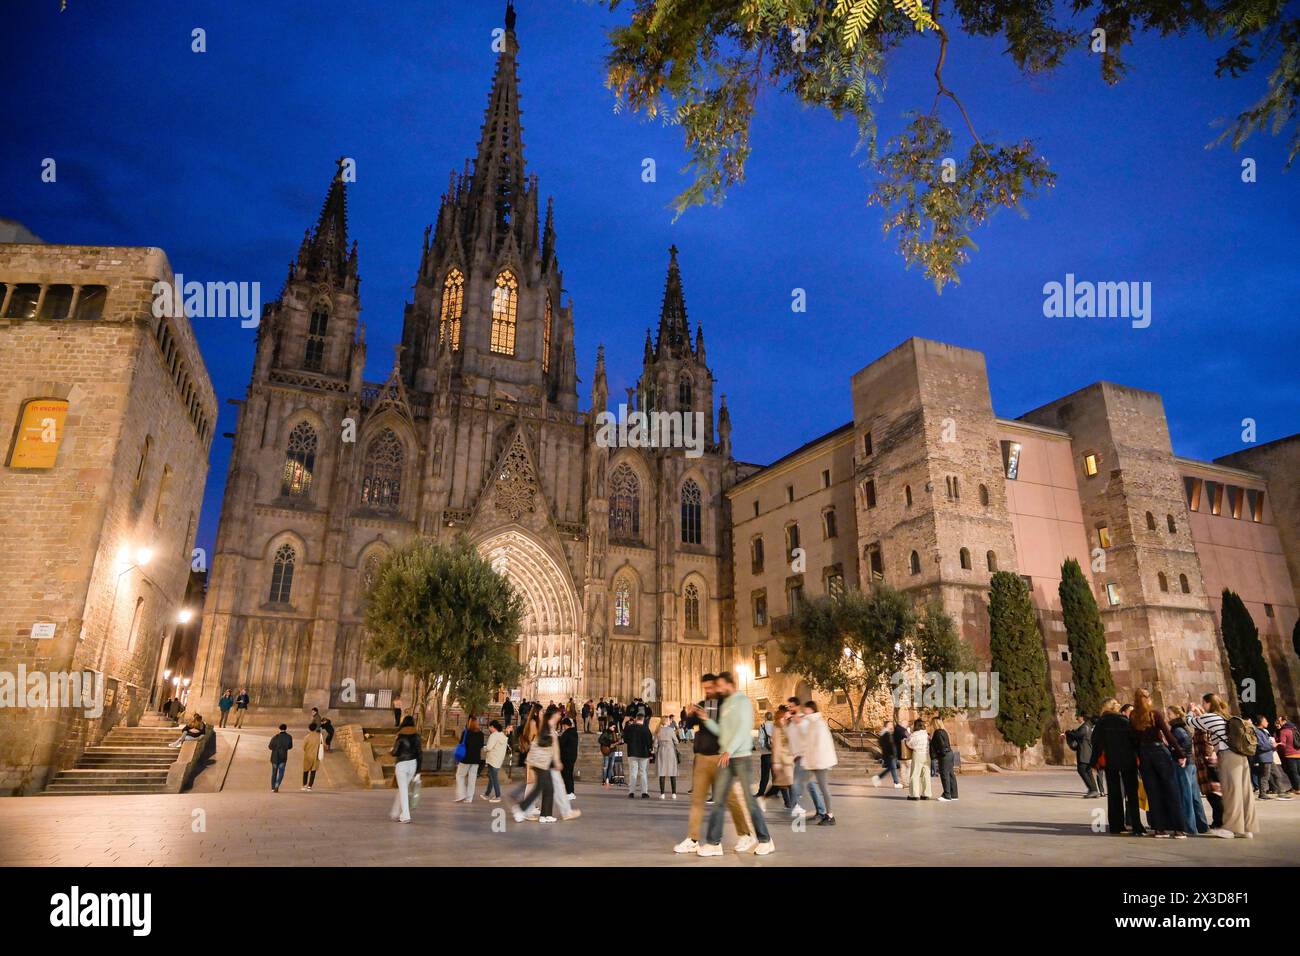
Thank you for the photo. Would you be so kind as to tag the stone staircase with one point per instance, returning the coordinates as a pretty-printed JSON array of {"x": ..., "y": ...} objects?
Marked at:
[{"x": 127, "y": 760}]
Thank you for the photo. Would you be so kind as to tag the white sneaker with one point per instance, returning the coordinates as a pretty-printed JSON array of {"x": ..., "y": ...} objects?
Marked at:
[
  {"x": 746, "y": 843},
  {"x": 945, "y": 800},
  {"x": 572, "y": 798},
  {"x": 663, "y": 796},
  {"x": 686, "y": 846},
  {"x": 674, "y": 796},
  {"x": 875, "y": 781},
  {"x": 797, "y": 811},
  {"x": 763, "y": 849},
  {"x": 519, "y": 816},
  {"x": 709, "y": 849},
  {"x": 1222, "y": 833},
  {"x": 898, "y": 786},
  {"x": 546, "y": 819}
]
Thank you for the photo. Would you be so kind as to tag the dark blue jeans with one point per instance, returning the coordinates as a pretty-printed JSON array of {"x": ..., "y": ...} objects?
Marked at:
[
  {"x": 493, "y": 781},
  {"x": 737, "y": 768},
  {"x": 277, "y": 775},
  {"x": 1158, "y": 777},
  {"x": 891, "y": 768}
]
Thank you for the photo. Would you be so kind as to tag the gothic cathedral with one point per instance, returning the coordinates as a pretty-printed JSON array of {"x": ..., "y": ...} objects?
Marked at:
[{"x": 622, "y": 554}]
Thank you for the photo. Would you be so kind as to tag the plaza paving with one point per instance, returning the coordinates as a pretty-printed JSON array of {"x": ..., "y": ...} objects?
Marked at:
[{"x": 1002, "y": 819}]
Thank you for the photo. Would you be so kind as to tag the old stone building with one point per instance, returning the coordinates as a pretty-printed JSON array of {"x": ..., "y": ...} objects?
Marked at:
[
  {"x": 928, "y": 490},
  {"x": 620, "y": 552},
  {"x": 107, "y": 413}
]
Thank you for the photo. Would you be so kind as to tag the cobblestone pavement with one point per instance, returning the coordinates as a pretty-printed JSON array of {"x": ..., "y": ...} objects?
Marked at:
[{"x": 1001, "y": 819}]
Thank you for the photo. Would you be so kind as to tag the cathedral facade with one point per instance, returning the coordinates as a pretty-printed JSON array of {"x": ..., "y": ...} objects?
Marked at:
[{"x": 622, "y": 554}]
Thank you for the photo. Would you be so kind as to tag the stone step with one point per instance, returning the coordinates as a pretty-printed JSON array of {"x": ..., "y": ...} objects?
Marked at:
[
  {"x": 112, "y": 773},
  {"x": 77, "y": 790}
]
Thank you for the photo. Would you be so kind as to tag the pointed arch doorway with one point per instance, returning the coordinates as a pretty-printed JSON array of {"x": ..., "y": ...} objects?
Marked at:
[{"x": 550, "y": 646}]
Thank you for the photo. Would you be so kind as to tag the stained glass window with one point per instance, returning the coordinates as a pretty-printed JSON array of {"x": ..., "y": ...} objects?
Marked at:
[
  {"x": 624, "y": 504},
  {"x": 691, "y": 599},
  {"x": 299, "y": 461},
  {"x": 453, "y": 307},
  {"x": 505, "y": 306},
  {"x": 691, "y": 531},
  {"x": 622, "y": 604},
  {"x": 282, "y": 574},
  {"x": 381, "y": 480}
]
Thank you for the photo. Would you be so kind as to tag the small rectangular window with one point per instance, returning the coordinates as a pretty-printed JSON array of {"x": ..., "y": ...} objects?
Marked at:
[
  {"x": 1114, "y": 655},
  {"x": 826, "y": 478},
  {"x": 1103, "y": 536},
  {"x": 1065, "y": 655},
  {"x": 1090, "y": 465},
  {"x": 1268, "y": 610},
  {"x": 1193, "y": 488},
  {"x": 1011, "y": 459},
  {"x": 760, "y": 661},
  {"x": 90, "y": 304},
  {"x": 876, "y": 562},
  {"x": 760, "y": 608},
  {"x": 789, "y": 492},
  {"x": 866, "y": 444},
  {"x": 869, "y": 492},
  {"x": 755, "y": 507},
  {"x": 22, "y": 301},
  {"x": 1112, "y": 594}
]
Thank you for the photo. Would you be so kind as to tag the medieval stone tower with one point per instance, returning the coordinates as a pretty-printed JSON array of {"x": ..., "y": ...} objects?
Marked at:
[{"x": 621, "y": 553}]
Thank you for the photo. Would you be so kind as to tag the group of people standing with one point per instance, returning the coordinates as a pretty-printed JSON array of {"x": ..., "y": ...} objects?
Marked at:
[
  {"x": 1172, "y": 763},
  {"x": 927, "y": 754},
  {"x": 229, "y": 699}
]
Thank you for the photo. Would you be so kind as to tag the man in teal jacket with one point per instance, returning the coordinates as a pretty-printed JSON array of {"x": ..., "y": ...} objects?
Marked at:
[{"x": 734, "y": 729}]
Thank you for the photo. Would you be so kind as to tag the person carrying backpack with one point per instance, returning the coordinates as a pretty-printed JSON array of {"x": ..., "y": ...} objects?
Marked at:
[
  {"x": 1235, "y": 743},
  {"x": 763, "y": 747}
]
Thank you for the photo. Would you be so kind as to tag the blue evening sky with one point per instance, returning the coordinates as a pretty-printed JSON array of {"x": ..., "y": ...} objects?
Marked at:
[{"x": 223, "y": 158}]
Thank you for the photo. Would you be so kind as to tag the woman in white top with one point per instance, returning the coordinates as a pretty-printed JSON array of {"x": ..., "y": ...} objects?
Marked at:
[
  {"x": 819, "y": 756},
  {"x": 1234, "y": 768},
  {"x": 919, "y": 776}
]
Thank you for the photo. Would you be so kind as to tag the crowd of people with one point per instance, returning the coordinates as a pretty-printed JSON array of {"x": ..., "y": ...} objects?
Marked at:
[{"x": 1173, "y": 763}]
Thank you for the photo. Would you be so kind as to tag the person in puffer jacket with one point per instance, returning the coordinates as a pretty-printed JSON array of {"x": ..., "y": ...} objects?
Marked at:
[
  {"x": 819, "y": 757},
  {"x": 407, "y": 752}
]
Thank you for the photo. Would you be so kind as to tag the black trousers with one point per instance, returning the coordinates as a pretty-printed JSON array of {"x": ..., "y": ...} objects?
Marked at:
[
  {"x": 567, "y": 776},
  {"x": 1122, "y": 800},
  {"x": 541, "y": 784},
  {"x": 1093, "y": 781},
  {"x": 948, "y": 774},
  {"x": 764, "y": 772}
]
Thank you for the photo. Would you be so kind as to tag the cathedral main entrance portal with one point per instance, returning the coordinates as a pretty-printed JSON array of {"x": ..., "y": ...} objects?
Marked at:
[{"x": 550, "y": 647}]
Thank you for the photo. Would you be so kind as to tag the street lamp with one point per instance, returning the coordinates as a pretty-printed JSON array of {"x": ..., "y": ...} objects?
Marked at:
[
  {"x": 185, "y": 615},
  {"x": 142, "y": 555}
]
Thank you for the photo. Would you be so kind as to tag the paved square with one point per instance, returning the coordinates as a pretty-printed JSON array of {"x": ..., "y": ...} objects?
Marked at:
[{"x": 1002, "y": 819}]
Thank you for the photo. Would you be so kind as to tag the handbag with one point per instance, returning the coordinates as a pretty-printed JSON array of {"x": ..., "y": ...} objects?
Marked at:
[
  {"x": 1142, "y": 795},
  {"x": 460, "y": 751},
  {"x": 320, "y": 752},
  {"x": 416, "y": 787}
]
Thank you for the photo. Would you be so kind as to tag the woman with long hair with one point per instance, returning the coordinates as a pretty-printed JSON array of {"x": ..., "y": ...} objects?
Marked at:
[
  {"x": 1189, "y": 793},
  {"x": 1234, "y": 769},
  {"x": 406, "y": 751},
  {"x": 543, "y": 756},
  {"x": 1160, "y": 758},
  {"x": 666, "y": 757},
  {"x": 782, "y": 759}
]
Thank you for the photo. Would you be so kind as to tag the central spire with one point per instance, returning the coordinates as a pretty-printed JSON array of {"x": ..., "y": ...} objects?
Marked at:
[
  {"x": 674, "y": 330},
  {"x": 499, "y": 180}
]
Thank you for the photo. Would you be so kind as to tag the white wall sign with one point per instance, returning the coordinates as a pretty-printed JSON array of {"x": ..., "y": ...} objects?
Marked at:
[{"x": 43, "y": 630}]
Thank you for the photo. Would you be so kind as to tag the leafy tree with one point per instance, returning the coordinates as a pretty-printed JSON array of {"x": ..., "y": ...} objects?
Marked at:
[
  {"x": 940, "y": 649},
  {"x": 1093, "y": 681},
  {"x": 1246, "y": 658},
  {"x": 851, "y": 644},
  {"x": 1016, "y": 648},
  {"x": 439, "y": 613},
  {"x": 701, "y": 64}
]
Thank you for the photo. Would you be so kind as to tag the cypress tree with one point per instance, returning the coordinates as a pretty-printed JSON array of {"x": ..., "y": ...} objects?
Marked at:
[
  {"x": 1246, "y": 658},
  {"x": 1016, "y": 648},
  {"x": 1086, "y": 635}
]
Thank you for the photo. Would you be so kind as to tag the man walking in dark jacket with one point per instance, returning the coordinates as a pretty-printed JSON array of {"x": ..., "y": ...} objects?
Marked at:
[
  {"x": 941, "y": 749},
  {"x": 638, "y": 744},
  {"x": 568, "y": 754},
  {"x": 279, "y": 746},
  {"x": 1080, "y": 741},
  {"x": 888, "y": 756},
  {"x": 1112, "y": 746}
]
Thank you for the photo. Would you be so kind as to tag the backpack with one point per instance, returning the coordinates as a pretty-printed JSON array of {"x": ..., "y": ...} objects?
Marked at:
[{"x": 1241, "y": 737}]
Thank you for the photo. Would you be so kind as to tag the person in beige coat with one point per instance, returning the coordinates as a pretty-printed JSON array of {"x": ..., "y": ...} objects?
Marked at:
[
  {"x": 919, "y": 774},
  {"x": 311, "y": 748},
  {"x": 782, "y": 758}
]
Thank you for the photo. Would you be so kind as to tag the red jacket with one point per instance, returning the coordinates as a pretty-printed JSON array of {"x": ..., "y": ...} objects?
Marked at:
[{"x": 1288, "y": 740}]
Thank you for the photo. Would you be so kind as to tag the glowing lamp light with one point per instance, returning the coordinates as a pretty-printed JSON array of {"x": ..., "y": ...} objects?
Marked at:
[
  {"x": 143, "y": 556},
  {"x": 185, "y": 615},
  {"x": 186, "y": 682}
]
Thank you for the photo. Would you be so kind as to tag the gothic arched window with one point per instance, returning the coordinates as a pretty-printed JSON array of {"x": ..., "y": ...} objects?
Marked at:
[
  {"x": 314, "y": 359},
  {"x": 684, "y": 385},
  {"x": 299, "y": 461},
  {"x": 282, "y": 574},
  {"x": 622, "y": 603},
  {"x": 691, "y": 502},
  {"x": 453, "y": 307},
  {"x": 505, "y": 311},
  {"x": 691, "y": 603},
  {"x": 547, "y": 319},
  {"x": 381, "y": 479},
  {"x": 624, "y": 504}
]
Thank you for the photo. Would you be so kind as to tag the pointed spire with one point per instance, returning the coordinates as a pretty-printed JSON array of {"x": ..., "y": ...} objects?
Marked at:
[
  {"x": 500, "y": 185},
  {"x": 699, "y": 343},
  {"x": 392, "y": 394},
  {"x": 548, "y": 233},
  {"x": 326, "y": 249},
  {"x": 674, "y": 329},
  {"x": 649, "y": 349},
  {"x": 599, "y": 387}
]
